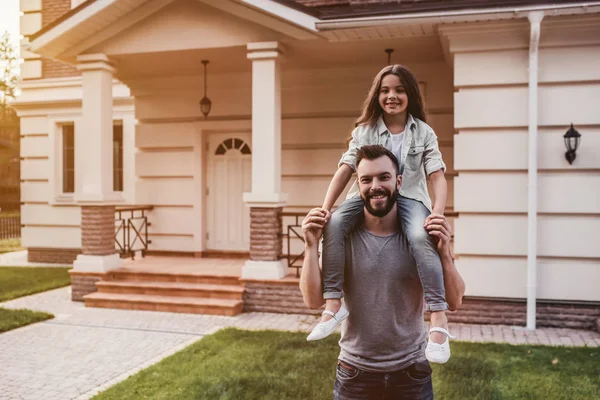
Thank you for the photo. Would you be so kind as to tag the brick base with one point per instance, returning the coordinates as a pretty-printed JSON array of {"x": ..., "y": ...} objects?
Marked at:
[
  {"x": 275, "y": 297},
  {"x": 514, "y": 312},
  {"x": 83, "y": 283},
  {"x": 285, "y": 297},
  {"x": 265, "y": 234},
  {"x": 52, "y": 256}
]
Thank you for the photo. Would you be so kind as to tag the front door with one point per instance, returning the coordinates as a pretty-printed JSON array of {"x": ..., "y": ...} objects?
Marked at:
[{"x": 229, "y": 176}]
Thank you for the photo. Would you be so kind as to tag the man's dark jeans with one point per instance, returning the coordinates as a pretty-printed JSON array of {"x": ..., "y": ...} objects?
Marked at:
[{"x": 411, "y": 383}]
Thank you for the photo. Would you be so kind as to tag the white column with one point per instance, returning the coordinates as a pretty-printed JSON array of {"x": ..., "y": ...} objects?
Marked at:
[
  {"x": 94, "y": 136},
  {"x": 266, "y": 126},
  {"x": 94, "y": 166},
  {"x": 266, "y": 159}
]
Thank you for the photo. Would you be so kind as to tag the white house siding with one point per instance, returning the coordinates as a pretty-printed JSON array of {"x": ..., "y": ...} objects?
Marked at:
[
  {"x": 169, "y": 174},
  {"x": 491, "y": 118},
  {"x": 44, "y": 226},
  {"x": 48, "y": 221},
  {"x": 319, "y": 107}
]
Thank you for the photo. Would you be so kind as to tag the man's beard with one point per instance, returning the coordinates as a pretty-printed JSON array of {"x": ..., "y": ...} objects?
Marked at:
[{"x": 380, "y": 212}]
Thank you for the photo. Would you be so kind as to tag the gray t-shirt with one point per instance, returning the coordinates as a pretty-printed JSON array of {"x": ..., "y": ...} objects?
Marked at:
[{"x": 385, "y": 330}]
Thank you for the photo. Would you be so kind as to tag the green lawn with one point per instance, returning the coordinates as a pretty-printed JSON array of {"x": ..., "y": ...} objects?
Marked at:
[
  {"x": 12, "y": 319},
  {"x": 22, "y": 281},
  {"x": 244, "y": 365}
]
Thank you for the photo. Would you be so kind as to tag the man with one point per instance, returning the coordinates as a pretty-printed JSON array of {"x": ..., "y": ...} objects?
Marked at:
[{"x": 383, "y": 339}]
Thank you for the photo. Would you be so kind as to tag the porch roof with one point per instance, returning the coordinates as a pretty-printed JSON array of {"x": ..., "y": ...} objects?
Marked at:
[
  {"x": 94, "y": 21},
  {"x": 347, "y": 9}
]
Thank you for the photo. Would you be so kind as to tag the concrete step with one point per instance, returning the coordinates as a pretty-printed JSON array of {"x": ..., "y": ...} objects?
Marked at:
[
  {"x": 191, "y": 305},
  {"x": 172, "y": 289},
  {"x": 145, "y": 276}
]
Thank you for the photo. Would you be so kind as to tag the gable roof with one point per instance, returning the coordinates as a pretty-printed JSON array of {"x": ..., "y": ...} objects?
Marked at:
[
  {"x": 96, "y": 19},
  {"x": 347, "y": 9}
]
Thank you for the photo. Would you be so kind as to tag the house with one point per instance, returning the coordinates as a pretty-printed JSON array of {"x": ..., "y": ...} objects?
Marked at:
[{"x": 110, "y": 116}]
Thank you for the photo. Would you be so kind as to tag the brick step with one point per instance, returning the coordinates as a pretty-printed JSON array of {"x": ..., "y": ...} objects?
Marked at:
[
  {"x": 144, "y": 276},
  {"x": 191, "y": 305},
  {"x": 174, "y": 289}
]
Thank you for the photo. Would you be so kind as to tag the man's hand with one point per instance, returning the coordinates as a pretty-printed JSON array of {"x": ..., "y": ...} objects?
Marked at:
[
  {"x": 312, "y": 225},
  {"x": 437, "y": 225}
]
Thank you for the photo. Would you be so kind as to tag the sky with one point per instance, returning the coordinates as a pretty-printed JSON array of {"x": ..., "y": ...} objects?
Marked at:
[{"x": 9, "y": 20}]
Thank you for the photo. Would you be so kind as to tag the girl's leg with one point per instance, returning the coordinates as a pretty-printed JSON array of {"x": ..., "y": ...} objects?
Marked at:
[
  {"x": 343, "y": 219},
  {"x": 412, "y": 214},
  {"x": 334, "y": 257}
]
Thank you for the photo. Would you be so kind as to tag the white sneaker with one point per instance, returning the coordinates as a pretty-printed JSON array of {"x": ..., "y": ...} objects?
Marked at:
[
  {"x": 324, "y": 329},
  {"x": 438, "y": 353}
]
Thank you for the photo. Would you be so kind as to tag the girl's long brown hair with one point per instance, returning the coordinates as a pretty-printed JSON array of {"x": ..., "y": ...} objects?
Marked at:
[{"x": 371, "y": 110}]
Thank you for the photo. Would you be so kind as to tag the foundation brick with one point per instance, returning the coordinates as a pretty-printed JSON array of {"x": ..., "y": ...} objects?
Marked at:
[
  {"x": 285, "y": 297},
  {"x": 83, "y": 283},
  {"x": 52, "y": 256}
]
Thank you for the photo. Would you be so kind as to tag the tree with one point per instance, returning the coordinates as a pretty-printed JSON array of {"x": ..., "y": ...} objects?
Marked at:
[
  {"x": 8, "y": 75},
  {"x": 9, "y": 127}
]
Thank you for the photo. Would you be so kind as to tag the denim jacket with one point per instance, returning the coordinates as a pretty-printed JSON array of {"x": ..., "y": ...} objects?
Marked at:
[{"x": 420, "y": 155}]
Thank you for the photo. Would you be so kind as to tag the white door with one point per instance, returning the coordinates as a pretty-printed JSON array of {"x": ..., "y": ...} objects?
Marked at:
[{"x": 229, "y": 176}]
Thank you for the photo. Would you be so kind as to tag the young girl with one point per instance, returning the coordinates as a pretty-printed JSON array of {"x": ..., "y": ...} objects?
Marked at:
[{"x": 392, "y": 116}]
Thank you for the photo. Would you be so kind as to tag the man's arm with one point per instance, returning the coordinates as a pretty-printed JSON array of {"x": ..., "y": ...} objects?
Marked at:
[
  {"x": 437, "y": 225},
  {"x": 310, "y": 279},
  {"x": 311, "y": 284},
  {"x": 453, "y": 282}
]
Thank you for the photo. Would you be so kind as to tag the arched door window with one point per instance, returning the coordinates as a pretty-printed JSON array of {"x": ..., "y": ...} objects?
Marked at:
[{"x": 232, "y": 144}]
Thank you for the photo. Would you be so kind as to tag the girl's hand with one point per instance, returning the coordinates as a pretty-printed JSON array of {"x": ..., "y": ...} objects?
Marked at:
[
  {"x": 312, "y": 225},
  {"x": 437, "y": 225}
]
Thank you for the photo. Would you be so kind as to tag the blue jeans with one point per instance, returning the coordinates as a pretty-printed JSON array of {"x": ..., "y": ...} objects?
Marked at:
[
  {"x": 410, "y": 383},
  {"x": 411, "y": 215}
]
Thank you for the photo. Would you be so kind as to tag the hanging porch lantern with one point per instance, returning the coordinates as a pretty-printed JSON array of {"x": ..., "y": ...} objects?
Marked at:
[
  {"x": 205, "y": 103},
  {"x": 389, "y": 56},
  {"x": 572, "y": 138}
]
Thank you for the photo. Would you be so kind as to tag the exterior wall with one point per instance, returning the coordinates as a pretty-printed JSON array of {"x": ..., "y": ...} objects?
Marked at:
[
  {"x": 168, "y": 166},
  {"x": 491, "y": 156},
  {"x": 51, "y": 221},
  {"x": 169, "y": 160}
]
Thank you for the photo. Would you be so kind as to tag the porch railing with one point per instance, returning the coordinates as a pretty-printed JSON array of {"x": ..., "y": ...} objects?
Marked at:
[
  {"x": 131, "y": 230},
  {"x": 10, "y": 227},
  {"x": 293, "y": 233}
]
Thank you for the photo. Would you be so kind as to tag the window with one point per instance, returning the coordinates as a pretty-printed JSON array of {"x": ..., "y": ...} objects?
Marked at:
[
  {"x": 118, "y": 156},
  {"x": 68, "y": 158},
  {"x": 230, "y": 144}
]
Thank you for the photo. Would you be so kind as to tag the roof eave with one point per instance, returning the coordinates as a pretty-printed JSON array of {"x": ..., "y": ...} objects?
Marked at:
[{"x": 459, "y": 15}]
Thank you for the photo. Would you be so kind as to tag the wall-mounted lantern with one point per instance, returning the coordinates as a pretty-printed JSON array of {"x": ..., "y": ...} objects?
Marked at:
[
  {"x": 572, "y": 138},
  {"x": 205, "y": 103}
]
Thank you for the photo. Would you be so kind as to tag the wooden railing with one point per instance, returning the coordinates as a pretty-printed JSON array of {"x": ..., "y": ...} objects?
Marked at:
[
  {"x": 131, "y": 230},
  {"x": 293, "y": 232}
]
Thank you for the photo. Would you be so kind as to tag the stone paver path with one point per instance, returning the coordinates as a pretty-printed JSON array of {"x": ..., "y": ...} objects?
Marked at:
[{"x": 85, "y": 350}]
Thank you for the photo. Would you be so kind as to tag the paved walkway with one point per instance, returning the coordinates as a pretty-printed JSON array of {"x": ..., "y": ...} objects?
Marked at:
[
  {"x": 19, "y": 259},
  {"x": 85, "y": 350}
]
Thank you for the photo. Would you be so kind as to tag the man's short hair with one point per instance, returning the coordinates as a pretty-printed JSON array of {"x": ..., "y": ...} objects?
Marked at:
[{"x": 373, "y": 152}]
